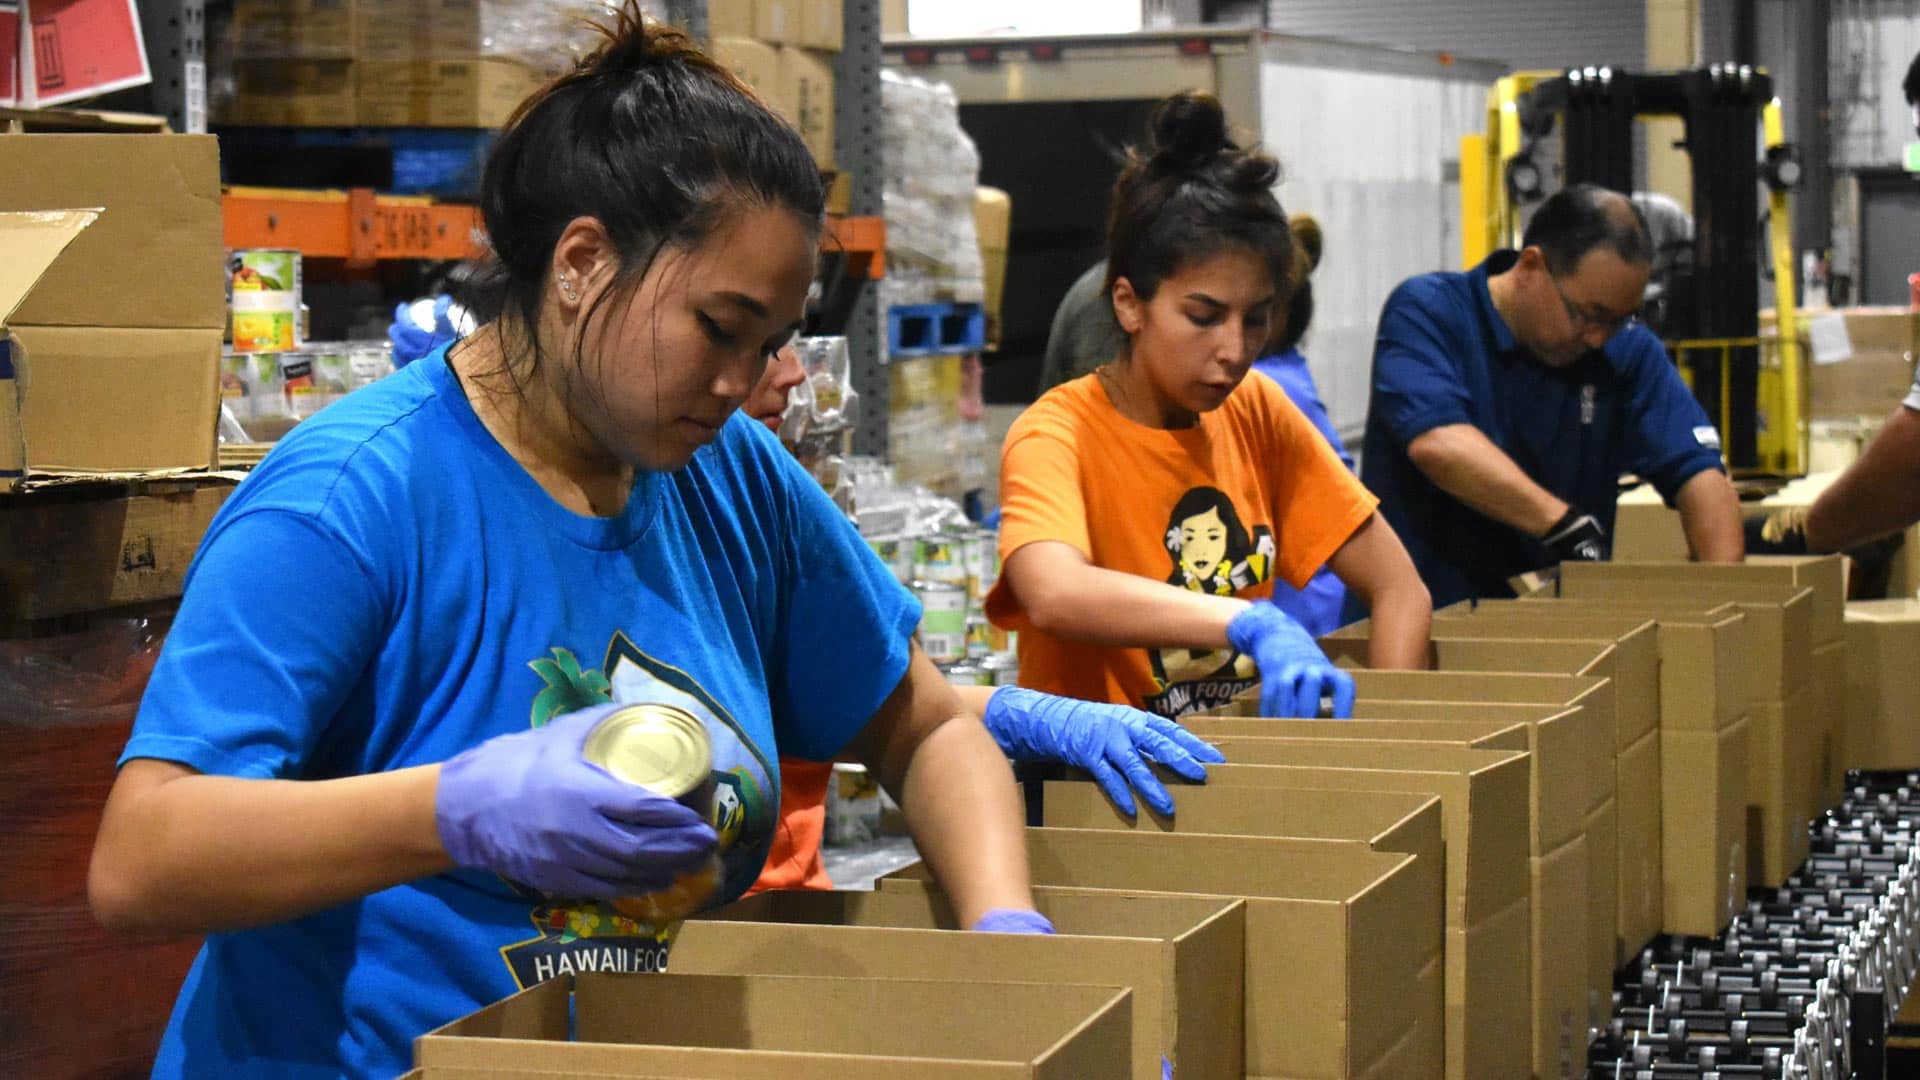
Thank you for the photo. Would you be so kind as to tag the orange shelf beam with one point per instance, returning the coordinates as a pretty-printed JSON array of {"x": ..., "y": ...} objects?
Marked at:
[
  {"x": 357, "y": 225},
  {"x": 363, "y": 228},
  {"x": 864, "y": 242}
]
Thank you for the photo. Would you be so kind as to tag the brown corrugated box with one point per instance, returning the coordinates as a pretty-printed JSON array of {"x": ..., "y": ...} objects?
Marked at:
[
  {"x": 1875, "y": 375},
  {"x": 460, "y": 92},
  {"x": 1485, "y": 800},
  {"x": 1179, "y": 955},
  {"x": 278, "y": 29},
  {"x": 1595, "y": 660},
  {"x": 1784, "y": 742},
  {"x": 1882, "y": 728},
  {"x": 294, "y": 93},
  {"x": 793, "y": 82},
  {"x": 1703, "y": 827},
  {"x": 116, "y": 345},
  {"x": 1343, "y": 964},
  {"x": 1603, "y": 901},
  {"x": 729, "y": 19},
  {"x": 766, "y": 1027},
  {"x": 1636, "y": 642},
  {"x": 777, "y": 21},
  {"x": 822, "y": 25},
  {"x": 1409, "y": 823}
]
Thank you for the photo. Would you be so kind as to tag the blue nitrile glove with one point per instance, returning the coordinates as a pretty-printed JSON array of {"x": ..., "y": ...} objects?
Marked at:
[
  {"x": 528, "y": 807},
  {"x": 1012, "y": 921},
  {"x": 1294, "y": 673},
  {"x": 411, "y": 341},
  {"x": 1113, "y": 742}
]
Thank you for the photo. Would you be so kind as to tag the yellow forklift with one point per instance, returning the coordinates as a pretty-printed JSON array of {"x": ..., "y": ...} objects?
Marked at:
[{"x": 1578, "y": 126}]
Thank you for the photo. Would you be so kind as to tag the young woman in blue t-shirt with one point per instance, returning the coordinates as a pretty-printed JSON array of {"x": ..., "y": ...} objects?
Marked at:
[{"x": 358, "y": 767}]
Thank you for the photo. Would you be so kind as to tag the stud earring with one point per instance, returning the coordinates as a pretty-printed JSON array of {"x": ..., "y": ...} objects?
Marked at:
[{"x": 566, "y": 286}]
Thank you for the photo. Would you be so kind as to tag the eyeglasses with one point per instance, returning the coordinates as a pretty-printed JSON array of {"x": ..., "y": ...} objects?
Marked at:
[{"x": 1608, "y": 324}]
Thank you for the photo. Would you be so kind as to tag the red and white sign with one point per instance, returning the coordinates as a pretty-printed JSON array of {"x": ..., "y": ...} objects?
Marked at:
[
  {"x": 11, "y": 41},
  {"x": 77, "y": 49}
]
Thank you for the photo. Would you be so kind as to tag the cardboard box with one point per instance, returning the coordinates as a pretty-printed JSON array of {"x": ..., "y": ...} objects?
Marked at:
[
  {"x": 1871, "y": 377},
  {"x": 1603, "y": 919},
  {"x": 1642, "y": 892},
  {"x": 756, "y": 64},
  {"x": 822, "y": 25},
  {"x": 78, "y": 49},
  {"x": 1830, "y": 716},
  {"x": 764, "y": 1027},
  {"x": 300, "y": 29},
  {"x": 1489, "y": 914},
  {"x": 295, "y": 93},
  {"x": 807, "y": 81},
  {"x": 777, "y": 22},
  {"x": 1560, "y": 980},
  {"x": 1179, "y": 955},
  {"x": 1703, "y": 828},
  {"x": 457, "y": 92},
  {"x": 729, "y": 19},
  {"x": 1634, "y": 662},
  {"x": 1883, "y": 685},
  {"x": 115, "y": 347},
  {"x": 1343, "y": 963},
  {"x": 1591, "y": 659},
  {"x": 1705, "y": 651}
]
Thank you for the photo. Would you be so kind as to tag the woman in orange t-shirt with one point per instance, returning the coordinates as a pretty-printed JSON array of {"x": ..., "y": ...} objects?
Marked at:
[{"x": 1147, "y": 507}]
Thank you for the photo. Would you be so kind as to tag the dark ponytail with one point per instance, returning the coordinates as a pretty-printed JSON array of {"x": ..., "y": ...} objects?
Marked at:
[
  {"x": 1191, "y": 193},
  {"x": 649, "y": 136}
]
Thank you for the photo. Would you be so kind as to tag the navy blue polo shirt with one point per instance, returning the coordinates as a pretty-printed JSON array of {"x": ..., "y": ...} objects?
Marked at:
[{"x": 1444, "y": 356}]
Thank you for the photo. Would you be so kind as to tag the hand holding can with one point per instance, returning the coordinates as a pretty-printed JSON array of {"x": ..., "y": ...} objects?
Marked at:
[{"x": 533, "y": 808}]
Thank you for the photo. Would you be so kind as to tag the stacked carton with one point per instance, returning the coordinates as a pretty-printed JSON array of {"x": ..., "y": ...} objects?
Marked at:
[
  {"x": 784, "y": 49},
  {"x": 1883, "y": 685}
]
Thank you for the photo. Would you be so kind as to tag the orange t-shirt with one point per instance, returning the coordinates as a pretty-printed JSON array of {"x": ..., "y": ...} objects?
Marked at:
[
  {"x": 794, "y": 860},
  {"x": 1252, "y": 491}
]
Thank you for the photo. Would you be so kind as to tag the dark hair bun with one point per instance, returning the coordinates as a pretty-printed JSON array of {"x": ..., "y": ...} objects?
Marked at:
[{"x": 1189, "y": 130}]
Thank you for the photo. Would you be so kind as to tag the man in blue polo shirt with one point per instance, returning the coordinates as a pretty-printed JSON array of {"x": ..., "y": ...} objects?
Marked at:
[{"x": 1507, "y": 401}]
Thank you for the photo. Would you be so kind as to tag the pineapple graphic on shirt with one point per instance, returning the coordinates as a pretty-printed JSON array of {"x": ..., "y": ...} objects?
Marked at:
[{"x": 568, "y": 688}]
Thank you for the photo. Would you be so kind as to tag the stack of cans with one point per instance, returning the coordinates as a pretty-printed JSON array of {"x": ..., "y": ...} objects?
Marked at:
[{"x": 952, "y": 570}]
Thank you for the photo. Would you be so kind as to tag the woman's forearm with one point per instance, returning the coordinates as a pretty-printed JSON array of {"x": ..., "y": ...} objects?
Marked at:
[
  {"x": 1067, "y": 597},
  {"x": 182, "y": 852},
  {"x": 967, "y": 819}
]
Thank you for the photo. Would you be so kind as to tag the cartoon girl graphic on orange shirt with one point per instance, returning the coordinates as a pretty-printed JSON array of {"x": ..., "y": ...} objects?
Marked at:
[{"x": 1212, "y": 552}]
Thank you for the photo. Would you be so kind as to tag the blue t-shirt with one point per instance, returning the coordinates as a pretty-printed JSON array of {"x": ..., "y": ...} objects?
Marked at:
[
  {"x": 1316, "y": 607},
  {"x": 389, "y": 588},
  {"x": 1445, "y": 356}
]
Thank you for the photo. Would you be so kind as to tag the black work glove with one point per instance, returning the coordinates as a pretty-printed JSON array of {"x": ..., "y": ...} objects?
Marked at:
[
  {"x": 1576, "y": 537},
  {"x": 1783, "y": 532}
]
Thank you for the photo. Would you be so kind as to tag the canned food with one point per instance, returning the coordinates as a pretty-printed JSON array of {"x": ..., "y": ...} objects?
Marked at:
[
  {"x": 667, "y": 751},
  {"x": 265, "y": 298},
  {"x": 1002, "y": 670},
  {"x": 979, "y": 634},
  {"x": 943, "y": 620},
  {"x": 937, "y": 558},
  {"x": 983, "y": 560},
  {"x": 966, "y": 673},
  {"x": 897, "y": 552},
  {"x": 854, "y": 806}
]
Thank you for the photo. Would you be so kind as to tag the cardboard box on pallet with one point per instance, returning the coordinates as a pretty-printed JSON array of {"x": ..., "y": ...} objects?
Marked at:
[
  {"x": 1343, "y": 963},
  {"x": 766, "y": 1027},
  {"x": 1180, "y": 956},
  {"x": 302, "y": 29},
  {"x": 1489, "y": 915},
  {"x": 822, "y": 25},
  {"x": 115, "y": 346},
  {"x": 294, "y": 93},
  {"x": 1883, "y": 685},
  {"x": 793, "y": 82},
  {"x": 729, "y": 19},
  {"x": 450, "y": 92}
]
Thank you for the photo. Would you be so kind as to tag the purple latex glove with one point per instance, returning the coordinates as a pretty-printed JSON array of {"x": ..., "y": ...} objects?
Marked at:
[
  {"x": 1113, "y": 742},
  {"x": 1294, "y": 673},
  {"x": 528, "y": 807},
  {"x": 1012, "y": 921}
]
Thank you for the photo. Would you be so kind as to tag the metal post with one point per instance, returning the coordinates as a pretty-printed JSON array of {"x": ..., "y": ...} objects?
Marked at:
[
  {"x": 858, "y": 151},
  {"x": 1811, "y": 131},
  {"x": 176, "y": 38}
]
